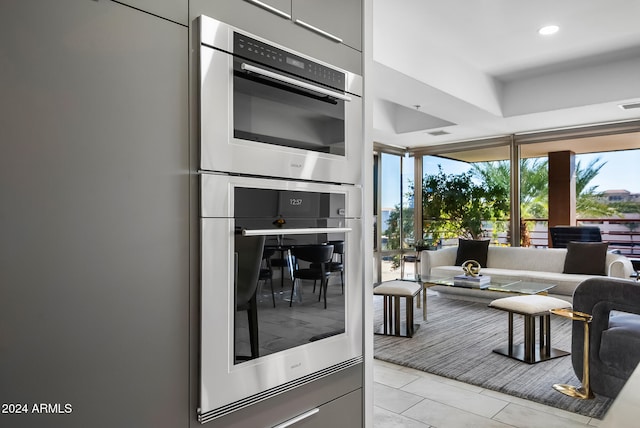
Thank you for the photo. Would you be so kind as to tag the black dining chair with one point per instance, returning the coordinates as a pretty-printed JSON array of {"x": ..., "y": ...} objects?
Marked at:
[
  {"x": 337, "y": 262},
  {"x": 280, "y": 260},
  {"x": 248, "y": 257},
  {"x": 266, "y": 272},
  {"x": 319, "y": 255}
]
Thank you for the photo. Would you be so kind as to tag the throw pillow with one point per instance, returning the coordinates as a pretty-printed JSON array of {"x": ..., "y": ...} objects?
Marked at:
[
  {"x": 588, "y": 258},
  {"x": 469, "y": 249}
]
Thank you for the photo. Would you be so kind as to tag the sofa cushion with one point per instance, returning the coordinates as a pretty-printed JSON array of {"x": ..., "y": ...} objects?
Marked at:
[
  {"x": 527, "y": 258},
  {"x": 469, "y": 249},
  {"x": 586, "y": 258},
  {"x": 565, "y": 284},
  {"x": 625, "y": 320},
  {"x": 620, "y": 343}
]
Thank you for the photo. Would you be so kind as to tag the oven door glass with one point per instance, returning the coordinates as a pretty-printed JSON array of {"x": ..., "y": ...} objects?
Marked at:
[
  {"x": 296, "y": 300},
  {"x": 269, "y": 110}
]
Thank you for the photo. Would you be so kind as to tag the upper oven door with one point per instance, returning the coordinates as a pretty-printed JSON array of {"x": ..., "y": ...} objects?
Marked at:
[{"x": 257, "y": 120}]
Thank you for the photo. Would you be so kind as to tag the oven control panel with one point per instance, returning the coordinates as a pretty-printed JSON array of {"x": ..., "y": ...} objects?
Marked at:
[{"x": 263, "y": 53}]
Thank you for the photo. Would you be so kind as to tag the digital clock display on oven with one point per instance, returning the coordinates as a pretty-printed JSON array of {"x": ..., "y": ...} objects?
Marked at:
[{"x": 295, "y": 62}]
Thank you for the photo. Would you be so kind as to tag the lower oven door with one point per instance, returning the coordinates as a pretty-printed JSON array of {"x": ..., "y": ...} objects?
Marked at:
[{"x": 296, "y": 340}]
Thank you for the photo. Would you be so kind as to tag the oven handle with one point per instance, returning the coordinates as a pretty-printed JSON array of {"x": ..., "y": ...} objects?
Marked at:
[
  {"x": 295, "y": 82},
  {"x": 305, "y": 231}
]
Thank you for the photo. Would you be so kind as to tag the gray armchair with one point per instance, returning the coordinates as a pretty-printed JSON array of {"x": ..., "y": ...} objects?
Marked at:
[{"x": 614, "y": 333}]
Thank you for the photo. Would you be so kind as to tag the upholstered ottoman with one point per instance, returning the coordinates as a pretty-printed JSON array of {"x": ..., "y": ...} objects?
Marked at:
[
  {"x": 530, "y": 307},
  {"x": 393, "y": 291}
]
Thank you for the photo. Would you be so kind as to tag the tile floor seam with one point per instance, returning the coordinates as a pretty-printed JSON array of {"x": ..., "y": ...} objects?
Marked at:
[
  {"x": 464, "y": 391},
  {"x": 414, "y": 419},
  {"x": 506, "y": 403},
  {"x": 451, "y": 407},
  {"x": 408, "y": 417}
]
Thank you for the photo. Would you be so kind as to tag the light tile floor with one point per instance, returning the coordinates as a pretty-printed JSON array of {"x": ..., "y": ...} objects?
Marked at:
[{"x": 405, "y": 397}]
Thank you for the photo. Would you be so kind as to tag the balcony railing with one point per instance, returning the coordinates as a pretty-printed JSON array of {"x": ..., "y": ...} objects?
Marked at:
[{"x": 622, "y": 234}]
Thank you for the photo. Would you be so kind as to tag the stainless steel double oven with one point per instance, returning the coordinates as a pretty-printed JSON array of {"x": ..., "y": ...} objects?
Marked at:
[{"x": 280, "y": 159}]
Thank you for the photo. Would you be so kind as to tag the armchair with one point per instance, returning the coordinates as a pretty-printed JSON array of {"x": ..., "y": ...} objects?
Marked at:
[{"x": 614, "y": 333}]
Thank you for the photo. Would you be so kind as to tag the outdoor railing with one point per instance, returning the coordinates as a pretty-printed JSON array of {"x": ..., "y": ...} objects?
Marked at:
[{"x": 622, "y": 234}]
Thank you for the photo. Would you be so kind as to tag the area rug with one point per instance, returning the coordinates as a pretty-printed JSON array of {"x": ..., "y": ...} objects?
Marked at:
[{"x": 457, "y": 341}]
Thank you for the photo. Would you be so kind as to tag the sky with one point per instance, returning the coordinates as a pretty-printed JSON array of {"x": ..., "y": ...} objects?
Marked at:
[{"x": 621, "y": 171}]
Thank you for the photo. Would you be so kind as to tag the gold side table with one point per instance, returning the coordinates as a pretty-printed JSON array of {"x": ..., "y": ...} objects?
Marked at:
[{"x": 583, "y": 392}]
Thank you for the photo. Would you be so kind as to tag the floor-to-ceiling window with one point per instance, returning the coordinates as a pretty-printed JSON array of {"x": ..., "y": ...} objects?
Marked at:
[
  {"x": 604, "y": 159},
  {"x": 394, "y": 228},
  {"x": 466, "y": 194},
  {"x": 606, "y": 195}
]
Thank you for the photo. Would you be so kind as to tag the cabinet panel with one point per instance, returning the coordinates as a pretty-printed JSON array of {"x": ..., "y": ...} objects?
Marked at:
[
  {"x": 94, "y": 185},
  {"x": 175, "y": 10},
  {"x": 341, "y": 18},
  {"x": 345, "y": 411},
  {"x": 244, "y": 15}
]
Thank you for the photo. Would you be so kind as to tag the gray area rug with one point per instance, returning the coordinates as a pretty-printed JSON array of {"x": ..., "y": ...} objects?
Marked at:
[{"x": 457, "y": 342}]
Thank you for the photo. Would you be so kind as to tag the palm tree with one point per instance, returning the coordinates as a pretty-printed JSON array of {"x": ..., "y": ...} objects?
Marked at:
[
  {"x": 534, "y": 188},
  {"x": 588, "y": 202}
]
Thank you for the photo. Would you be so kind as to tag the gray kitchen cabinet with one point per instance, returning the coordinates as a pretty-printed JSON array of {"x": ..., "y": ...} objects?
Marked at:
[
  {"x": 174, "y": 10},
  {"x": 94, "y": 218},
  {"x": 339, "y": 19},
  {"x": 277, "y": 29}
]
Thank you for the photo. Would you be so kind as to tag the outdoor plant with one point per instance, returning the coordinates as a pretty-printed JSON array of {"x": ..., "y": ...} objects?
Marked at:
[
  {"x": 457, "y": 204},
  {"x": 534, "y": 189}
]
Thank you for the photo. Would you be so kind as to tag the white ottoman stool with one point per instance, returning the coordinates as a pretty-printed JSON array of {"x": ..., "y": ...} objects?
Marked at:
[
  {"x": 530, "y": 307},
  {"x": 392, "y": 291}
]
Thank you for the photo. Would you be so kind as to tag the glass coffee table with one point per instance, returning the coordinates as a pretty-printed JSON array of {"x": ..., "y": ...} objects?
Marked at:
[{"x": 497, "y": 284}]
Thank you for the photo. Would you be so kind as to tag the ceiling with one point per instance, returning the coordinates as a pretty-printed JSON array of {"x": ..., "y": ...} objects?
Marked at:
[{"x": 472, "y": 69}]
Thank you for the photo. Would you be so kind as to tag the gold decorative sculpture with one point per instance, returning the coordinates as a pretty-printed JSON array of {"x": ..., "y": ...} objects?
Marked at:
[{"x": 471, "y": 268}]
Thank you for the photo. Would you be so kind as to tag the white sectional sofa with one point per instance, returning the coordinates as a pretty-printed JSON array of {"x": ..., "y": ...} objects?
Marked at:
[{"x": 518, "y": 263}]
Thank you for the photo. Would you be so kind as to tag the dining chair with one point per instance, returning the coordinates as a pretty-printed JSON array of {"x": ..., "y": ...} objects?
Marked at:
[
  {"x": 248, "y": 257},
  {"x": 319, "y": 255},
  {"x": 266, "y": 273},
  {"x": 337, "y": 262}
]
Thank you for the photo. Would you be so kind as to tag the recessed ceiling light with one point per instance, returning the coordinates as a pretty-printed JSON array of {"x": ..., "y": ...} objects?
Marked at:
[{"x": 548, "y": 30}]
